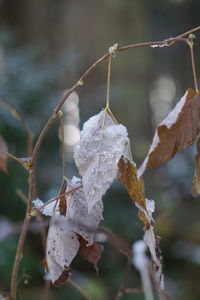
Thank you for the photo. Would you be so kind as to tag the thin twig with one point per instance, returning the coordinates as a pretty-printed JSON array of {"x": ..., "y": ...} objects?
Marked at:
[
  {"x": 56, "y": 198},
  {"x": 39, "y": 218},
  {"x": 11, "y": 156},
  {"x": 18, "y": 115},
  {"x": 13, "y": 288},
  {"x": 193, "y": 66},
  {"x": 121, "y": 289},
  {"x": 108, "y": 81},
  {"x": 119, "y": 244},
  {"x": 62, "y": 137},
  {"x": 79, "y": 289}
]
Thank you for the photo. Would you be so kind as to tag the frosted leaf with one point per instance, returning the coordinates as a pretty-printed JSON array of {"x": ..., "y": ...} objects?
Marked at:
[
  {"x": 78, "y": 218},
  {"x": 97, "y": 154},
  {"x": 150, "y": 205},
  {"x": 62, "y": 247},
  {"x": 64, "y": 234},
  {"x": 178, "y": 130},
  {"x": 47, "y": 210},
  {"x": 149, "y": 238}
]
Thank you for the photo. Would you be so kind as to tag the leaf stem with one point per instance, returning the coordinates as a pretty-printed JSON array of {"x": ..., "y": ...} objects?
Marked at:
[
  {"x": 108, "y": 82},
  {"x": 13, "y": 288},
  {"x": 79, "y": 289},
  {"x": 62, "y": 137},
  {"x": 191, "y": 44}
]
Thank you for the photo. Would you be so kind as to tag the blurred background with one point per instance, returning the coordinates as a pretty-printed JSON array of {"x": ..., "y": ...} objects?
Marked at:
[{"x": 45, "y": 46}]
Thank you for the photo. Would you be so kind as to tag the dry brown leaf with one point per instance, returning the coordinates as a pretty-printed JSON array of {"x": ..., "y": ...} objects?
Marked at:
[
  {"x": 91, "y": 253},
  {"x": 179, "y": 130},
  {"x": 63, "y": 200},
  {"x": 134, "y": 186},
  {"x": 196, "y": 181},
  {"x": 3, "y": 158}
]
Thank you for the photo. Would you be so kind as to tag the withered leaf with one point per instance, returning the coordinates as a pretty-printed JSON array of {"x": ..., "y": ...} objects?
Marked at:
[
  {"x": 97, "y": 154},
  {"x": 3, "y": 157},
  {"x": 63, "y": 240},
  {"x": 63, "y": 200},
  {"x": 62, "y": 247},
  {"x": 92, "y": 254},
  {"x": 134, "y": 186},
  {"x": 196, "y": 180},
  {"x": 178, "y": 130}
]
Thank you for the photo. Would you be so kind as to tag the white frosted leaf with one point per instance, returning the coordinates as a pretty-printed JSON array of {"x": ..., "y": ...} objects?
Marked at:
[
  {"x": 62, "y": 247},
  {"x": 97, "y": 154},
  {"x": 78, "y": 218},
  {"x": 46, "y": 210},
  {"x": 62, "y": 242},
  {"x": 150, "y": 205}
]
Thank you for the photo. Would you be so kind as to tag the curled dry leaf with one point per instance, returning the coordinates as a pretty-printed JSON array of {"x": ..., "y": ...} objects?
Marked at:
[
  {"x": 3, "y": 158},
  {"x": 91, "y": 253},
  {"x": 196, "y": 181},
  {"x": 178, "y": 130},
  {"x": 97, "y": 154},
  {"x": 153, "y": 244},
  {"x": 134, "y": 186},
  {"x": 63, "y": 240}
]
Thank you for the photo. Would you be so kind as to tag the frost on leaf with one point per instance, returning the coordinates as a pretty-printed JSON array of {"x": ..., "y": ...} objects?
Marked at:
[
  {"x": 62, "y": 247},
  {"x": 178, "y": 130},
  {"x": 153, "y": 244},
  {"x": 196, "y": 181},
  {"x": 46, "y": 210},
  {"x": 68, "y": 233},
  {"x": 3, "y": 158},
  {"x": 97, "y": 154},
  {"x": 78, "y": 218},
  {"x": 134, "y": 186}
]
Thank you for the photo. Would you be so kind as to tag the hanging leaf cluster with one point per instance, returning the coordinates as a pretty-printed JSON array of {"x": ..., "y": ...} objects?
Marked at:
[{"x": 102, "y": 154}]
